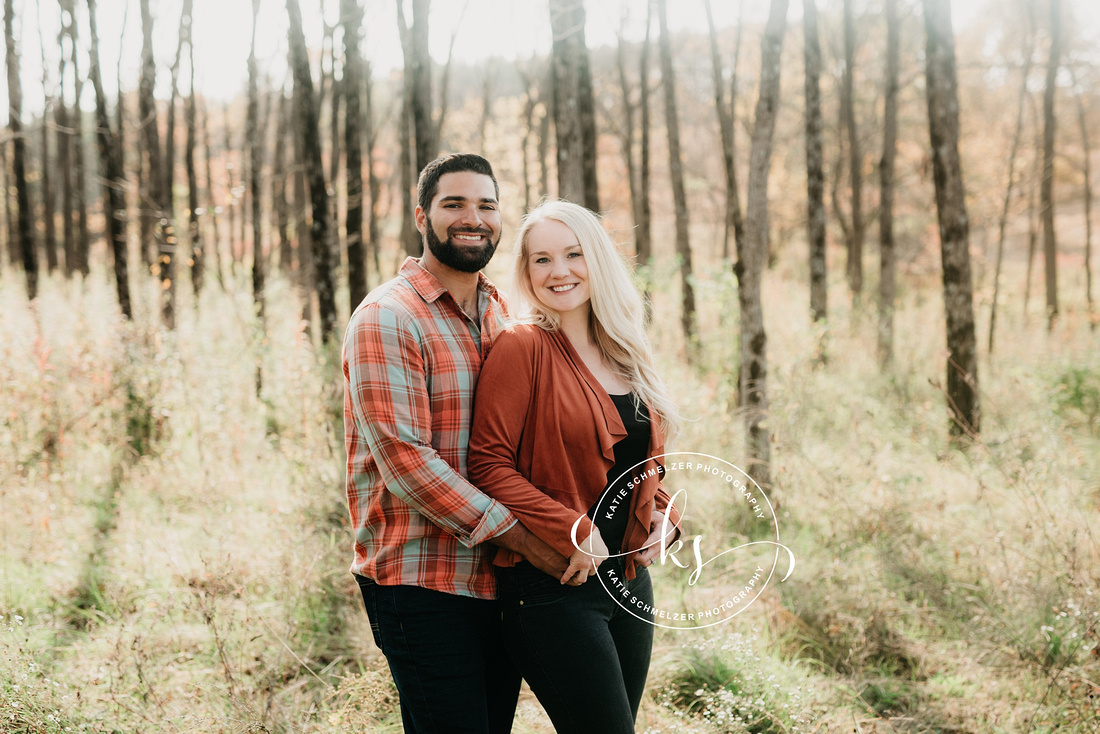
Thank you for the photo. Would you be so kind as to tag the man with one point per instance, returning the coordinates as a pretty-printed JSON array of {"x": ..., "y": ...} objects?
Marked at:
[{"x": 423, "y": 533}]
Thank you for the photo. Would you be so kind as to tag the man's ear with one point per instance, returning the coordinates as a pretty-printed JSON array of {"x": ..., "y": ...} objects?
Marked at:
[{"x": 421, "y": 220}]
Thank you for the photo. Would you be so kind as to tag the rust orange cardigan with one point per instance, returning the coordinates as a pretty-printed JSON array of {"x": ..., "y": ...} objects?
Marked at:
[{"x": 542, "y": 441}]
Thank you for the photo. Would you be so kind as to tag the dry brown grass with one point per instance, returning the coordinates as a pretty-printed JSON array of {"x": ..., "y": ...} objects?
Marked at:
[{"x": 177, "y": 548}]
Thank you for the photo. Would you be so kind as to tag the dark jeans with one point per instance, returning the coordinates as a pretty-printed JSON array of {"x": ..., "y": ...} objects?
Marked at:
[
  {"x": 585, "y": 657},
  {"x": 447, "y": 657}
]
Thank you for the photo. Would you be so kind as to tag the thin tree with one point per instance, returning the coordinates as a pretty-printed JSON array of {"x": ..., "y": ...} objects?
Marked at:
[
  {"x": 110, "y": 154},
  {"x": 750, "y": 266},
  {"x": 50, "y": 235},
  {"x": 643, "y": 238},
  {"x": 155, "y": 177},
  {"x": 194, "y": 228},
  {"x": 815, "y": 166},
  {"x": 627, "y": 129},
  {"x": 235, "y": 245},
  {"x": 1010, "y": 183},
  {"x": 887, "y": 257},
  {"x": 574, "y": 108},
  {"x": 676, "y": 174},
  {"x": 255, "y": 185},
  {"x": 64, "y": 147},
  {"x": 418, "y": 80},
  {"x": 374, "y": 185},
  {"x": 19, "y": 155},
  {"x": 733, "y": 223},
  {"x": 279, "y": 173},
  {"x": 306, "y": 117},
  {"x": 352, "y": 15},
  {"x": 212, "y": 204},
  {"x": 1087, "y": 150},
  {"x": 855, "y": 157},
  {"x": 943, "y": 127},
  {"x": 1046, "y": 192},
  {"x": 81, "y": 244}
]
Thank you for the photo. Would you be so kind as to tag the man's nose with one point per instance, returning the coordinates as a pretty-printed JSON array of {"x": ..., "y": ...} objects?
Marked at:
[{"x": 471, "y": 216}]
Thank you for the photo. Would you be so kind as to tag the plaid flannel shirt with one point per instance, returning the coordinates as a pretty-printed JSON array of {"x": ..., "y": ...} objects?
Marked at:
[{"x": 411, "y": 360}]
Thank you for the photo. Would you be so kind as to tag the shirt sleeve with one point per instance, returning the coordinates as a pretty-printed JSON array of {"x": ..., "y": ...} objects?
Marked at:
[
  {"x": 500, "y": 413},
  {"x": 385, "y": 376}
]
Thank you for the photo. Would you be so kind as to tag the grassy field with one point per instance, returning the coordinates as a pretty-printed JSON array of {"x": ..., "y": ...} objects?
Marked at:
[{"x": 174, "y": 549}]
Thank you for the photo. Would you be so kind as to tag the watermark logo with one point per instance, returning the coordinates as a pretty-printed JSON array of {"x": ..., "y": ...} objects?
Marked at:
[{"x": 716, "y": 562}]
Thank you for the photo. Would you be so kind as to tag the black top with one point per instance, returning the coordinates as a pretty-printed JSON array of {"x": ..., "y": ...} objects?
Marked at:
[{"x": 614, "y": 504}]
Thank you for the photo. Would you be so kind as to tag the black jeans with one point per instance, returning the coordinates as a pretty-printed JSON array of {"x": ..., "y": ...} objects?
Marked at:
[
  {"x": 585, "y": 657},
  {"x": 447, "y": 657}
]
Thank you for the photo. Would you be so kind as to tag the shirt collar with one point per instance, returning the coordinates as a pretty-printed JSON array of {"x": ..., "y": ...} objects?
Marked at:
[{"x": 428, "y": 286}]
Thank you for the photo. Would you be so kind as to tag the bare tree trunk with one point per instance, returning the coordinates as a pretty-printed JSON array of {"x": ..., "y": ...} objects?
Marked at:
[
  {"x": 194, "y": 230},
  {"x": 215, "y": 250},
  {"x": 815, "y": 168},
  {"x": 357, "y": 260},
  {"x": 49, "y": 233},
  {"x": 1087, "y": 150},
  {"x": 302, "y": 241},
  {"x": 643, "y": 237},
  {"x": 750, "y": 267},
  {"x": 855, "y": 156},
  {"x": 114, "y": 202},
  {"x": 733, "y": 225},
  {"x": 311, "y": 139},
  {"x": 19, "y": 155},
  {"x": 374, "y": 186},
  {"x": 170, "y": 252},
  {"x": 64, "y": 152},
  {"x": 255, "y": 184},
  {"x": 943, "y": 127},
  {"x": 410, "y": 237},
  {"x": 15, "y": 256},
  {"x": 81, "y": 244},
  {"x": 418, "y": 80},
  {"x": 887, "y": 266},
  {"x": 278, "y": 188},
  {"x": 574, "y": 108},
  {"x": 679, "y": 195},
  {"x": 334, "y": 157},
  {"x": 626, "y": 132},
  {"x": 1026, "y": 72},
  {"x": 1046, "y": 192},
  {"x": 155, "y": 176},
  {"x": 236, "y": 246},
  {"x": 1032, "y": 203}
]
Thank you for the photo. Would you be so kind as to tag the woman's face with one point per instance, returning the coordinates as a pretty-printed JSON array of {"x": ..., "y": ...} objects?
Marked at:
[{"x": 556, "y": 267}]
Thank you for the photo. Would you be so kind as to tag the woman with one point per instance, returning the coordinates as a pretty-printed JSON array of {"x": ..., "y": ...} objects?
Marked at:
[{"x": 567, "y": 403}]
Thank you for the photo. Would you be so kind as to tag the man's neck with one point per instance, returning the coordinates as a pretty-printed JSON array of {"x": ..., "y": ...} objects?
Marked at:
[{"x": 462, "y": 286}]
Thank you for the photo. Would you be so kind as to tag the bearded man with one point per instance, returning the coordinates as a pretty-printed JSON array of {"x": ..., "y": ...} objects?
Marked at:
[{"x": 423, "y": 534}]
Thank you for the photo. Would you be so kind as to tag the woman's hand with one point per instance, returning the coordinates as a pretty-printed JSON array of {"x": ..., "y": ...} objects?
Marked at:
[
  {"x": 654, "y": 544},
  {"x": 585, "y": 560}
]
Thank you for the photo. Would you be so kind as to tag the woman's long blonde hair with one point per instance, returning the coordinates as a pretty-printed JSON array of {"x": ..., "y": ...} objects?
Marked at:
[{"x": 616, "y": 318}]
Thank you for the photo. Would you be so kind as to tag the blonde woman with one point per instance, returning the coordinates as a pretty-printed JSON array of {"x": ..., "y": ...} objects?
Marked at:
[{"x": 568, "y": 403}]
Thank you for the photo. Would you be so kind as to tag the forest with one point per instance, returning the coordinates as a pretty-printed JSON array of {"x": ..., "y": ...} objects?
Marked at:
[{"x": 864, "y": 230}]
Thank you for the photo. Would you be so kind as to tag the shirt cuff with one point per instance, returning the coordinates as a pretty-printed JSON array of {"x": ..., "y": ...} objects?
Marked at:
[{"x": 496, "y": 521}]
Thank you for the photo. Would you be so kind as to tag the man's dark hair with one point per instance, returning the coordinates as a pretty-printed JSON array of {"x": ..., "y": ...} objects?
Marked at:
[{"x": 428, "y": 185}]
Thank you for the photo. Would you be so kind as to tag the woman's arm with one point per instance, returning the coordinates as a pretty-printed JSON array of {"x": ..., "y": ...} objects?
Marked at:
[{"x": 504, "y": 394}]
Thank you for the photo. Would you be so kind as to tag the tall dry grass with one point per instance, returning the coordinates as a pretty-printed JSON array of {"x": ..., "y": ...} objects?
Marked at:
[{"x": 174, "y": 549}]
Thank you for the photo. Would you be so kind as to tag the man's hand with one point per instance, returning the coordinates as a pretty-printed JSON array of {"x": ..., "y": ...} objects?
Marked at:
[
  {"x": 586, "y": 559},
  {"x": 540, "y": 555}
]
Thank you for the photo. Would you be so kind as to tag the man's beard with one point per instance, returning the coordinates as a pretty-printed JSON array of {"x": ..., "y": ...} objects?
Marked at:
[{"x": 462, "y": 258}]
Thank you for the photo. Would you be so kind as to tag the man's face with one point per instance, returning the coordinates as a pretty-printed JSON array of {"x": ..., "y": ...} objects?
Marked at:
[{"x": 462, "y": 227}]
